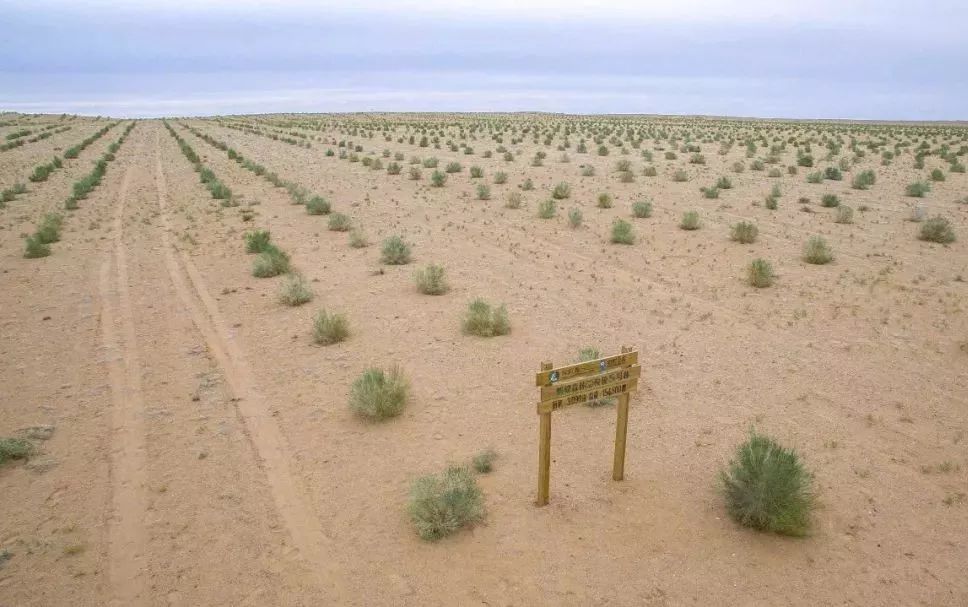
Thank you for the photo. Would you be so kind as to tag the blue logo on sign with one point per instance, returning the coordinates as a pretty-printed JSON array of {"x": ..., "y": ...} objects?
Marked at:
[
  {"x": 602, "y": 366},
  {"x": 554, "y": 376}
]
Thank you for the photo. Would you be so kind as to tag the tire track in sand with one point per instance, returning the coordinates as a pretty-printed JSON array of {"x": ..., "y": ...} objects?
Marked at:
[
  {"x": 302, "y": 525},
  {"x": 126, "y": 528}
]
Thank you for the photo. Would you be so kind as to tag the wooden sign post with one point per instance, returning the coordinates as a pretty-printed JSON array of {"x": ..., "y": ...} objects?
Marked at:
[{"x": 612, "y": 376}]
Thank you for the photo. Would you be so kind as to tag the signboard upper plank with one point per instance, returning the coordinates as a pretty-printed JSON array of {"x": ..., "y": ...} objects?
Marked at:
[
  {"x": 589, "y": 382},
  {"x": 551, "y": 376}
]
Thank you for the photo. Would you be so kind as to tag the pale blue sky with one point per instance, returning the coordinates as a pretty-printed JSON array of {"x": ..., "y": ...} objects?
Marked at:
[{"x": 869, "y": 60}]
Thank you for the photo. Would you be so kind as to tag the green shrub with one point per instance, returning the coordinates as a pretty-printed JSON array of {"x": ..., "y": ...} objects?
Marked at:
[
  {"x": 845, "y": 214},
  {"x": 767, "y": 488},
  {"x": 394, "y": 168},
  {"x": 604, "y": 200},
  {"x": 318, "y": 205},
  {"x": 561, "y": 191},
  {"x": 430, "y": 163},
  {"x": 760, "y": 273},
  {"x": 724, "y": 183},
  {"x": 500, "y": 178},
  {"x": 918, "y": 189},
  {"x": 483, "y": 192},
  {"x": 527, "y": 185},
  {"x": 744, "y": 232},
  {"x": 329, "y": 328},
  {"x": 453, "y": 167},
  {"x": 379, "y": 394},
  {"x": 514, "y": 200},
  {"x": 431, "y": 280},
  {"x": 642, "y": 209},
  {"x": 358, "y": 238},
  {"x": 271, "y": 261},
  {"x": 832, "y": 173},
  {"x": 937, "y": 229},
  {"x": 438, "y": 179},
  {"x": 339, "y": 222},
  {"x": 49, "y": 229},
  {"x": 547, "y": 209},
  {"x": 34, "y": 248},
  {"x": 14, "y": 448},
  {"x": 415, "y": 174},
  {"x": 816, "y": 177},
  {"x": 712, "y": 192},
  {"x": 476, "y": 172},
  {"x": 690, "y": 220},
  {"x": 257, "y": 241},
  {"x": 622, "y": 232},
  {"x": 650, "y": 171},
  {"x": 483, "y": 462},
  {"x": 816, "y": 251},
  {"x": 575, "y": 218},
  {"x": 680, "y": 176},
  {"x": 484, "y": 321},
  {"x": 441, "y": 505},
  {"x": 937, "y": 175},
  {"x": 395, "y": 251},
  {"x": 295, "y": 291},
  {"x": 829, "y": 200},
  {"x": 863, "y": 180}
]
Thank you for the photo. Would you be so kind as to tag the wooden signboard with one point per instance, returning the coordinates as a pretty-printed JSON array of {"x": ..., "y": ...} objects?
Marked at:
[{"x": 610, "y": 377}]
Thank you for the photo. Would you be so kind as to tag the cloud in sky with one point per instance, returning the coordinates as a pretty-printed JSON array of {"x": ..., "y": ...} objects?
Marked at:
[{"x": 821, "y": 59}]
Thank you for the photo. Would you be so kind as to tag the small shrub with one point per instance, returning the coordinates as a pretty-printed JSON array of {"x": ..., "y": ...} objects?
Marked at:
[
  {"x": 650, "y": 171},
  {"x": 680, "y": 176},
  {"x": 379, "y": 394},
  {"x": 431, "y": 280},
  {"x": 937, "y": 229},
  {"x": 690, "y": 220},
  {"x": 14, "y": 448},
  {"x": 318, "y": 205},
  {"x": 622, "y": 232},
  {"x": 358, "y": 238},
  {"x": 500, "y": 177},
  {"x": 484, "y": 461},
  {"x": 547, "y": 209},
  {"x": 271, "y": 261},
  {"x": 453, "y": 167},
  {"x": 918, "y": 189},
  {"x": 483, "y": 192},
  {"x": 724, "y": 183},
  {"x": 339, "y": 222},
  {"x": 329, "y": 328},
  {"x": 527, "y": 185},
  {"x": 438, "y": 179},
  {"x": 257, "y": 241},
  {"x": 642, "y": 209},
  {"x": 441, "y": 505},
  {"x": 394, "y": 168},
  {"x": 845, "y": 214},
  {"x": 830, "y": 201},
  {"x": 34, "y": 248},
  {"x": 816, "y": 251},
  {"x": 937, "y": 175},
  {"x": 744, "y": 232},
  {"x": 604, "y": 200},
  {"x": 477, "y": 172},
  {"x": 514, "y": 200},
  {"x": 295, "y": 291},
  {"x": 767, "y": 488},
  {"x": 712, "y": 192},
  {"x": 415, "y": 174},
  {"x": 49, "y": 229},
  {"x": 575, "y": 218},
  {"x": 863, "y": 180},
  {"x": 484, "y": 321},
  {"x": 833, "y": 174},
  {"x": 816, "y": 177},
  {"x": 395, "y": 251},
  {"x": 561, "y": 191},
  {"x": 760, "y": 273}
]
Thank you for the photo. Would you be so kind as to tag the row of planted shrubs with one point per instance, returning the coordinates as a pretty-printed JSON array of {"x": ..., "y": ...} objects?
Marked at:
[
  {"x": 49, "y": 229},
  {"x": 216, "y": 188}
]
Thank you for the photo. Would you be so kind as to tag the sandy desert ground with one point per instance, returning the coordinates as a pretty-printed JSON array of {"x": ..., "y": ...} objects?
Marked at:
[{"x": 193, "y": 445}]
